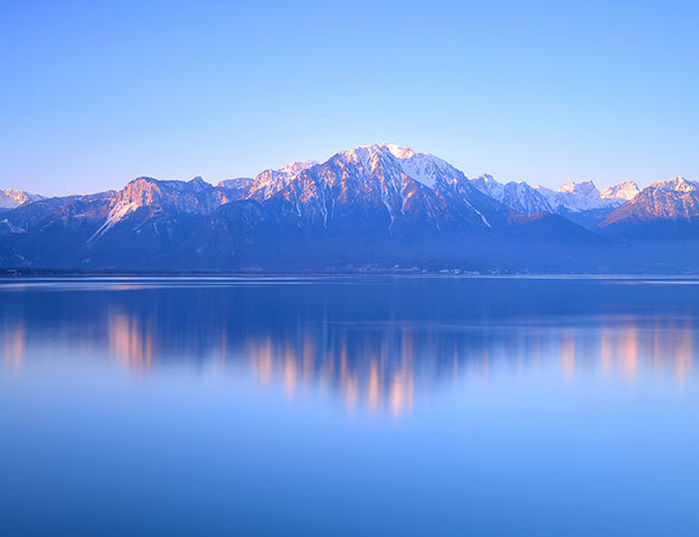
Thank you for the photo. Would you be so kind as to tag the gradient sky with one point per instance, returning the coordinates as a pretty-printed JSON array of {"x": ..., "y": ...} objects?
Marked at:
[{"x": 97, "y": 93}]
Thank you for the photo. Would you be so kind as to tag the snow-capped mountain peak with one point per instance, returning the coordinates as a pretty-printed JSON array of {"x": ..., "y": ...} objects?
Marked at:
[
  {"x": 487, "y": 184},
  {"x": 677, "y": 184},
  {"x": 585, "y": 188},
  {"x": 623, "y": 191},
  {"x": 578, "y": 196},
  {"x": 11, "y": 198},
  {"x": 424, "y": 167},
  {"x": 519, "y": 196},
  {"x": 676, "y": 199},
  {"x": 380, "y": 192},
  {"x": 399, "y": 151},
  {"x": 190, "y": 197},
  {"x": 269, "y": 182},
  {"x": 294, "y": 168},
  {"x": 581, "y": 196}
]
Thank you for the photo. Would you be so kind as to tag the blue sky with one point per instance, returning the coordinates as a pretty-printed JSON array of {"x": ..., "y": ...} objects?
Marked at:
[{"x": 97, "y": 93}]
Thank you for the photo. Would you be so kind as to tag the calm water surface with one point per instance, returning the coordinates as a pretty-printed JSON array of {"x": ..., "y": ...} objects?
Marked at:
[{"x": 349, "y": 406}]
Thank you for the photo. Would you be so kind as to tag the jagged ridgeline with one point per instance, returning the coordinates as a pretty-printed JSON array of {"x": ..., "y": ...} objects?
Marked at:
[{"x": 370, "y": 208}]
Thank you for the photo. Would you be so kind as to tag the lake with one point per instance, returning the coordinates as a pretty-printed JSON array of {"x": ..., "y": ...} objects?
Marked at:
[{"x": 349, "y": 405}]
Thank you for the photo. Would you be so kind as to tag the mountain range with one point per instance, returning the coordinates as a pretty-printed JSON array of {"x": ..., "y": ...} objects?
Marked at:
[{"x": 381, "y": 206}]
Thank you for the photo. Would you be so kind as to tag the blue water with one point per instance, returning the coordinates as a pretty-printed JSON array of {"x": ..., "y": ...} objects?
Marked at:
[{"x": 371, "y": 405}]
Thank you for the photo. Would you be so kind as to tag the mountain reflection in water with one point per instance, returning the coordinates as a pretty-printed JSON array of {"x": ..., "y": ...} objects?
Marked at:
[{"x": 379, "y": 344}]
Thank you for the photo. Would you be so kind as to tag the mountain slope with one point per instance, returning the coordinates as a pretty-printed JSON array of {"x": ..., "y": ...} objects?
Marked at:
[
  {"x": 663, "y": 210},
  {"x": 368, "y": 188},
  {"x": 377, "y": 205}
]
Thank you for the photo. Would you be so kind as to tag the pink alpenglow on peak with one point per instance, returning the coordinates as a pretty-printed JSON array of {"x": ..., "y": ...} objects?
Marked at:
[
  {"x": 579, "y": 187},
  {"x": 676, "y": 184},
  {"x": 11, "y": 198},
  {"x": 623, "y": 191},
  {"x": 400, "y": 152},
  {"x": 269, "y": 182}
]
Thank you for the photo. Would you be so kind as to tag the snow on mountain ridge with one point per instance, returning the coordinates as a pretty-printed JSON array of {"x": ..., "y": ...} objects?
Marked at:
[
  {"x": 399, "y": 151},
  {"x": 676, "y": 200},
  {"x": 269, "y": 182},
  {"x": 423, "y": 167},
  {"x": 428, "y": 169},
  {"x": 572, "y": 197},
  {"x": 410, "y": 185},
  {"x": 677, "y": 184},
  {"x": 580, "y": 196},
  {"x": 381, "y": 170},
  {"x": 621, "y": 191},
  {"x": 584, "y": 188},
  {"x": 11, "y": 198},
  {"x": 519, "y": 196},
  {"x": 296, "y": 167},
  {"x": 189, "y": 197},
  {"x": 487, "y": 184},
  {"x": 577, "y": 196}
]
